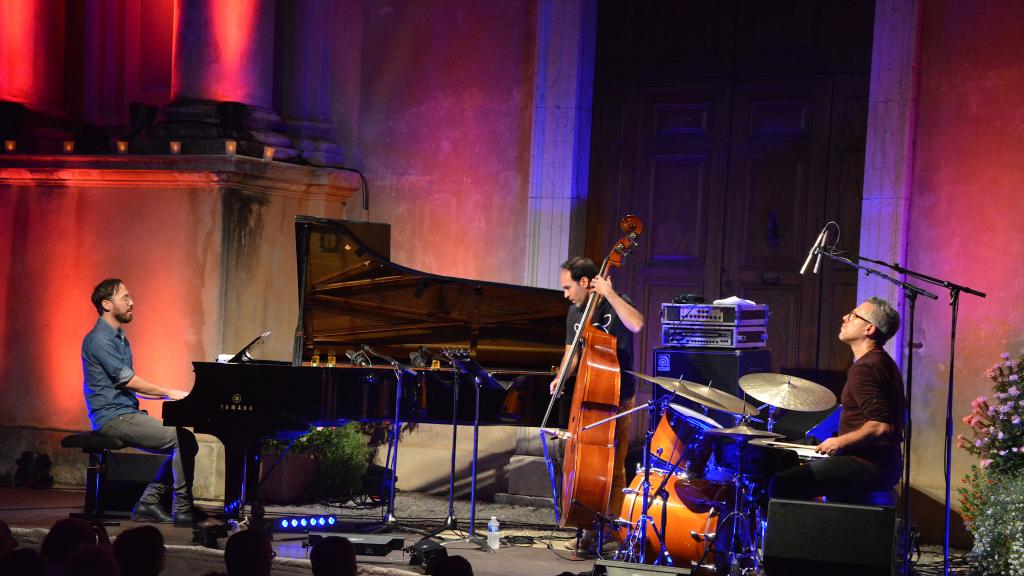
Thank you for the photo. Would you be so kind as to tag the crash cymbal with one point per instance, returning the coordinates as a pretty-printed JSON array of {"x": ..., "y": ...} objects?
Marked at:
[
  {"x": 705, "y": 395},
  {"x": 789, "y": 392},
  {"x": 742, "y": 431}
]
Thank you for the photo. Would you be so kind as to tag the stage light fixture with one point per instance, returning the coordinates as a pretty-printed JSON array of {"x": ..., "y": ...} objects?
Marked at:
[{"x": 304, "y": 523}]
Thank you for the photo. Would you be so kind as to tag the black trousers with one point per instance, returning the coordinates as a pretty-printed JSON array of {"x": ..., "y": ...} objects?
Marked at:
[{"x": 837, "y": 478}]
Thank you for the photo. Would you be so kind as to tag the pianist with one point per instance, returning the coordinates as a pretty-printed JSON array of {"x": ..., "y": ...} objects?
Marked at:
[
  {"x": 111, "y": 389},
  {"x": 865, "y": 456}
]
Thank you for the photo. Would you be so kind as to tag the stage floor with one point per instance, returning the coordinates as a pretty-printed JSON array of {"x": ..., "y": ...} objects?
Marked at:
[
  {"x": 27, "y": 508},
  {"x": 542, "y": 550}
]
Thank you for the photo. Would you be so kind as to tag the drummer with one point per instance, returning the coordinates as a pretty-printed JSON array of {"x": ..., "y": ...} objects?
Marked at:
[{"x": 865, "y": 455}]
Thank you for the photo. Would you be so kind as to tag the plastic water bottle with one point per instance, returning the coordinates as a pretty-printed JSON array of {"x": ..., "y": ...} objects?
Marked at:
[{"x": 493, "y": 533}]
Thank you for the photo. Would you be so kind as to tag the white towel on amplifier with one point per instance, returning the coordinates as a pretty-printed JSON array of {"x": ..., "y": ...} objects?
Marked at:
[{"x": 733, "y": 301}]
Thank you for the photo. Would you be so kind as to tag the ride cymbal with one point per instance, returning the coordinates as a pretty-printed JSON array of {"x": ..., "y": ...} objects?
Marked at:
[{"x": 788, "y": 392}]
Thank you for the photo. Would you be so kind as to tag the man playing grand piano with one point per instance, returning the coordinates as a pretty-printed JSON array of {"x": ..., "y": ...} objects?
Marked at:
[
  {"x": 865, "y": 456},
  {"x": 617, "y": 316},
  {"x": 111, "y": 391}
]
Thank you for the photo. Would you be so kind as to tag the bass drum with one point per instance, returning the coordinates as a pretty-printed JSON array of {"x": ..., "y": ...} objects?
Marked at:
[{"x": 693, "y": 505}]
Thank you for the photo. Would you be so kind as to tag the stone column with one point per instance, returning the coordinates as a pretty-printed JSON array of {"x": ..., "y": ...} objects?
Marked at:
[
  {"x": 559, "y": 158},
  {"x": 303, "y": 77},
  {"x": 32, "y": 75},
  {"x": 888, "y": 164},
  {"x": 103, "y": 66},
  {"x": 223, "y": 52}
]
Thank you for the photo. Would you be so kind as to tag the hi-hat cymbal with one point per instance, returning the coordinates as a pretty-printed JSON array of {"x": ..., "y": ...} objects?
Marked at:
[
  {"x": 705, "y": 395},
  {"x": 742, "y": 431},
  {"x": 789, "y": 392}
]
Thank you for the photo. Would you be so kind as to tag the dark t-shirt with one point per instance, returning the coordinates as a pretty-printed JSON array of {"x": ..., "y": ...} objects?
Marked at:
[
  {"x": 606, "y": 319},
  {"x": 874, "y": 391}
]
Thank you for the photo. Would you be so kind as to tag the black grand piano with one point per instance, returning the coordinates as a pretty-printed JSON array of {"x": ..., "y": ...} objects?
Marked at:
[{"x": 351, "y": 295}]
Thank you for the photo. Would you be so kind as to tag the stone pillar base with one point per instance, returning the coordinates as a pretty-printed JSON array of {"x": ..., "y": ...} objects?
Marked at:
[{"x": 196, "y": 124}]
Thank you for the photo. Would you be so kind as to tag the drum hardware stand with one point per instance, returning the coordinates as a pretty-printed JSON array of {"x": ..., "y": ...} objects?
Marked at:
[
  {"x": 637, "y": 537},
  {"x": 739, "y": 529}
]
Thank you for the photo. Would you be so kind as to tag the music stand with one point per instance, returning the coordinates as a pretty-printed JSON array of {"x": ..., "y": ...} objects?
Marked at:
[
  {"x": 243, "y": 354},
  {"x": 462, "y": 362},
  {"x": 390, "y": 522},
  {"x": 451, "y": 523}
]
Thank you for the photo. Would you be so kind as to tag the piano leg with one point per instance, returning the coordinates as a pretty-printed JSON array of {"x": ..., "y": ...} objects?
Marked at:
[{"x": 241, "y": 473}]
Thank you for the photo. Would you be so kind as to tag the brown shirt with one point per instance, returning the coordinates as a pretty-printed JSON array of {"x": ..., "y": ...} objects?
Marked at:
[{"x": 874, "y": 391}]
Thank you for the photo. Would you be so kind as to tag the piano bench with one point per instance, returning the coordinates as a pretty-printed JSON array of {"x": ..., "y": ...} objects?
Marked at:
[{"x": 98, "y": 448}]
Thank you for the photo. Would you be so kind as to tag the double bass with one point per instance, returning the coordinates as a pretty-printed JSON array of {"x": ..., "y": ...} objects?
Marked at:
[{"x": 590, "y": 454}]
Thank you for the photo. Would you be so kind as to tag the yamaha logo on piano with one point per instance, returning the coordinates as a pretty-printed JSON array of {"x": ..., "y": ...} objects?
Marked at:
[{"x": 236, "y": 405}]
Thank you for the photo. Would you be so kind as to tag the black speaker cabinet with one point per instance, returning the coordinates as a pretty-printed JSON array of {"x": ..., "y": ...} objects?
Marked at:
[
  {"x": 722, "y": 368},
  {"x": 127, "y": 476},
  {"x": 834, "y": 539}
]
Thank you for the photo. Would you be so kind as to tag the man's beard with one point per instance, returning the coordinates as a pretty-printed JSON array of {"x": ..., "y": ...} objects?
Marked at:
[{"x": 123, "y": 317}]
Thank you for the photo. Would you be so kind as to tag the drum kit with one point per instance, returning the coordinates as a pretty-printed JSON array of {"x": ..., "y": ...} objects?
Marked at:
[{"x": 690, "y": 501}]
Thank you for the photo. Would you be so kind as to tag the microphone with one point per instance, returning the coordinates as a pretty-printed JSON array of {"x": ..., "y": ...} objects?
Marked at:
[
  {"x": 810, "y": 254},
  {"x": 824, "y": 240}
]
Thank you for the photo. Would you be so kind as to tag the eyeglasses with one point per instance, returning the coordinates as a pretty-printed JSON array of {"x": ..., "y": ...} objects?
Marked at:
[{"x": 855, "y": 315}]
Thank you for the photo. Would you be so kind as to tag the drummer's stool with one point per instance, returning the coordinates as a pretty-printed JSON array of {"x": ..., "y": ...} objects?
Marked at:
[
  {"x": 879, "y": 498},
  {"x": 872, "y": 498},
  {"x": 99, "y": 448}
]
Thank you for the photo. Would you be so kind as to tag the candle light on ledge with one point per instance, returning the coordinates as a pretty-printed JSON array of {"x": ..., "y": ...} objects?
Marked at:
[
  {"x": 175, "y": 146},
  {"x": 69, "y": 146},
  {"x": 268, "y": 153},
  {"x": 10, "y": 145},
  {"x": 122, "y": 146},
  {"x": 230, "y": 147}
]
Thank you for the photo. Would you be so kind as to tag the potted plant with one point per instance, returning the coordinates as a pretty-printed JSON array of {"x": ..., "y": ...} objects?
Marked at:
[{"x": 323, "y": 464}]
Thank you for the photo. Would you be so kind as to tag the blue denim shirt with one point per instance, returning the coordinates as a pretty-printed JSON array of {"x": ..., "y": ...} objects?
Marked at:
[{"x": 107, "y": 365}]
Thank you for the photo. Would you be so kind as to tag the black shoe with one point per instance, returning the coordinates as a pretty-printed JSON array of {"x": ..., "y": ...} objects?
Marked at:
[
  {"x": 189, "y": 518},
  {"x": 143, "y": 512}
]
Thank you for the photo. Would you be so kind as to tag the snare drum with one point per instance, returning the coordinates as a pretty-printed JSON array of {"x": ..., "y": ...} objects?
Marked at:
[
  {"x": 693, "y": 506},
  {"x": 680, "y": 439}
]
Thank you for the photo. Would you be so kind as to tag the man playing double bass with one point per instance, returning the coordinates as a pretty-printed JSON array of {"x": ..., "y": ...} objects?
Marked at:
[{"x": 617, "y": 316}]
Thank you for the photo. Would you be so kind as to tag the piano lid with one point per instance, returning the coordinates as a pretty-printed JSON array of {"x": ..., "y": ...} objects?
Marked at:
[{"x": 351, "y": 294}]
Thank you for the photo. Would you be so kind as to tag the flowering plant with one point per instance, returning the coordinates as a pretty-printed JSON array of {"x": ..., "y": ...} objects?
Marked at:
[
  {"x": 992, "y": 500},
  {"x": 997, "y": 435}
]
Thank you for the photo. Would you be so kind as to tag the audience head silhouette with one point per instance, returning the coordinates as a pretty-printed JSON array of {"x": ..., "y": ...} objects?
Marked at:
[
  {"x": 65, "y": 538},
  {"x": 7, "y": 541},
  {"x": 333, "y": 556},
  {"x": 140, "y": 551},
  {"x": 23, "y": 561},
  {"x": 248, "y": 553},
  {"x": 92, "y": 561},
  {"x": 453, "y": 566}
]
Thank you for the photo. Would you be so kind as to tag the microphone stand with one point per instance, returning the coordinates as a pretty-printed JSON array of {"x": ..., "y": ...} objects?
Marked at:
[
  {"x": 910, "y": 292},
  {"x": 954, "y": 303},
  {"x": 390, "y": 521}
]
